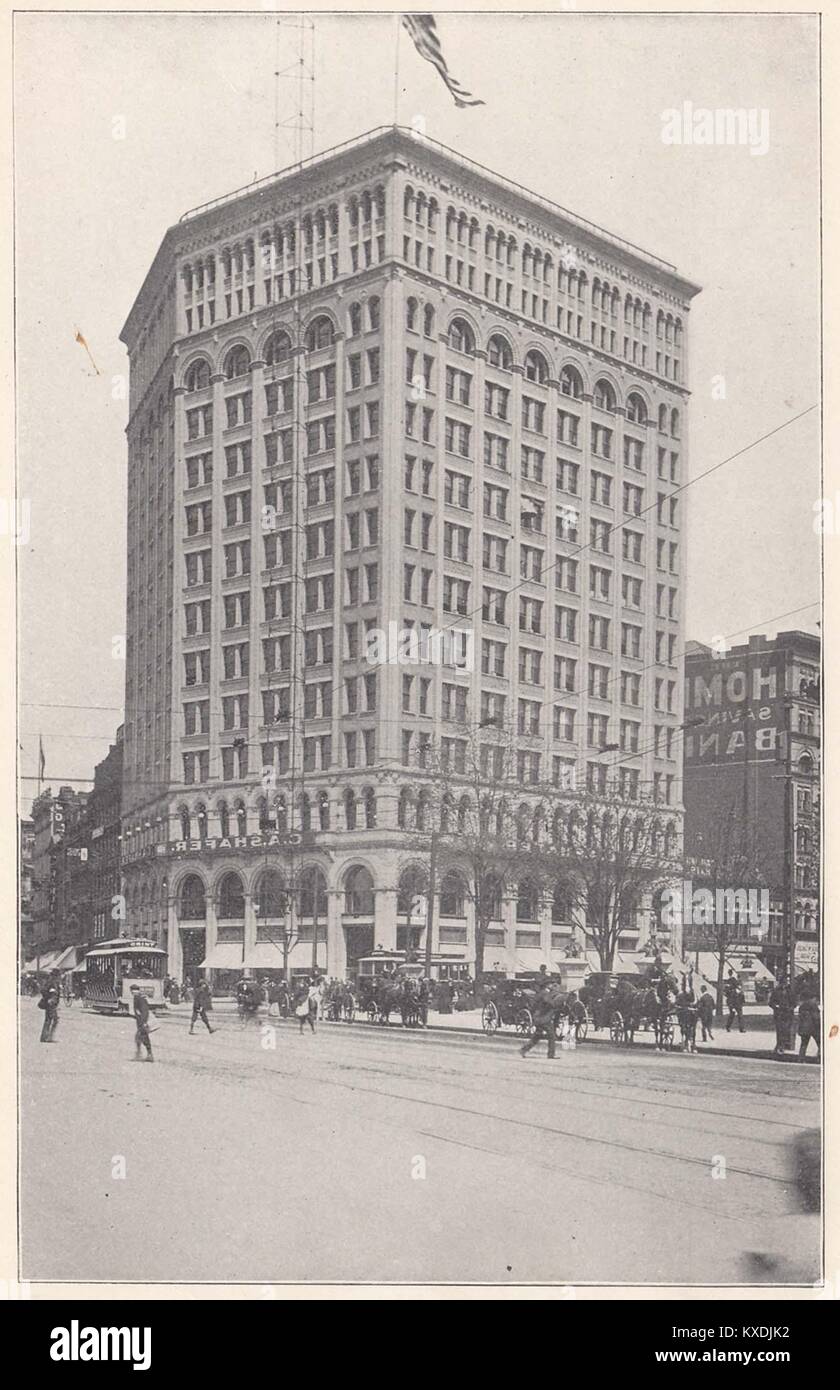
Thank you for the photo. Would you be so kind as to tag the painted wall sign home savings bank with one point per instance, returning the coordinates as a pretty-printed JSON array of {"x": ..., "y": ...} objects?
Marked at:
[{"x": 737, "y": 698}]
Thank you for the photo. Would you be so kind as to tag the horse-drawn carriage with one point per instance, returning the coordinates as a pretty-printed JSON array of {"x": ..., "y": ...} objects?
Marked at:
[
  {"x": 628, "y": 1004},
  {"x": 509, "y": 1004},
  {"x": 388, "y": 984}
]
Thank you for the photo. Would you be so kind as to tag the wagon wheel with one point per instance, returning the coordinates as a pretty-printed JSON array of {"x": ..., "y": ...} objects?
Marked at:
[
  {"x": 667, "y": 1032},
  {"x": 617, "y": 1028},
  {"x": 490, "y": 1017},
  {"x": 523, "y": 1022},
  {"x": 581, "y": 1029}
]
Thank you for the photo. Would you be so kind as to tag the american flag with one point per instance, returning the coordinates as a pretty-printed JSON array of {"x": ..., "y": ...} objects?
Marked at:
[{"x": 423, "y": 31}]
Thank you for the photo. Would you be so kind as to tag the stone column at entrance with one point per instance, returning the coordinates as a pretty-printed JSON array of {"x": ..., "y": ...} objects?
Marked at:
[
  {"x": 175, "y": 956},
  {"x": 250, "y": 927},
  {"x": 385, "y": 919},
  {"x": 336, "y": 946}
]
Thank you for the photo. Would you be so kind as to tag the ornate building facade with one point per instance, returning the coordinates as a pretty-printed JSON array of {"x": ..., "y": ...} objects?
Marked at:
[{"x": 390, "y": 397}]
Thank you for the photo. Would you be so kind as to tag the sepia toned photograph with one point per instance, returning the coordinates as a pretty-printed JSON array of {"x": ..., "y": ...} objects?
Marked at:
[{"x": 419, "y": 525}]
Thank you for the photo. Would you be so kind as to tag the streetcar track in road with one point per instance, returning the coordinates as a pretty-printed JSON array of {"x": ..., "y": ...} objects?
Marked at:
[
  {"x": 597, "y": 1095},
  {"x": 538, "y": 1127},
  {"x": 265, "y": 1080},
  {"x": 558, "y": 1087},
  {"x": 678, "y": 1200}
]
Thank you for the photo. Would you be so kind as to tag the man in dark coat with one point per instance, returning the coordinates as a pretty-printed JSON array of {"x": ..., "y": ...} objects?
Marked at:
[
  {"x": 809, "y": 1026},
  {"x": 202, "y": 1001},
  {"x": 735, "y": 1003},
  {"x": 141, "y": 1019},
  {"x": 687, "y": 1015},
  {"x": 781, "y": 1002},
  {"x": 49, "y": 1002},
  {"x": 705, "y": 1014},
  {"x": 546, "y": 1007}
]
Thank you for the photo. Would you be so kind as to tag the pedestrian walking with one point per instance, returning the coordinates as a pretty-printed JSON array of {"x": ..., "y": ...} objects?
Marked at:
[
  {"x": 202, "y": 1001},
  {"x": 735, "y": 1001},
  {"x": 577, "y": 1013},
  {"x": 305, "y": 1007},
  {"x": 423, "y": 1002},
  {"x": 316, "y": 996},
  {"x": 705, "y": 1014},
  {"x": 781, "y": 1002},
  {"x": 809, "y": 1026},
  {"x": 141, "y": 1019},
  {"x": 49, "y": 1002},
  {"x": 546, "y": 1008},
  {"x": 687, "y": 1017}
]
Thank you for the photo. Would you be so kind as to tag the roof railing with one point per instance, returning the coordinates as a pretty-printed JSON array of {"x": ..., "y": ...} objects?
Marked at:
[{"x": 369, "y": 136}]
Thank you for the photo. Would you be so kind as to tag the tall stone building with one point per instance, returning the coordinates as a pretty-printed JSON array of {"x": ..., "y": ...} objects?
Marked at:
[{"x": 388, "y": 391}]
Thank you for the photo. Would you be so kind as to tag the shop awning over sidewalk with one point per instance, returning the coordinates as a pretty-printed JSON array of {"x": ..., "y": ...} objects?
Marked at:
[
  {"x": 44, "y": 962},
  {"x": 67, "y": 959}
]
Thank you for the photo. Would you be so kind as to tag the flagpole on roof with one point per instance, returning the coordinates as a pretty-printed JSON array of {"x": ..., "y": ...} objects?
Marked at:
[{"x": 397, "y": 27}]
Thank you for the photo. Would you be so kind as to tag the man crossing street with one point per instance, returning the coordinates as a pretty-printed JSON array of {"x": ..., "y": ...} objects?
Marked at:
[
  {"x": 202, "y": 1000},
  {"x": 49, "y": 1002},
  {"x": 141, "y": 1019},
  {"x": 546, "y": 1008}
]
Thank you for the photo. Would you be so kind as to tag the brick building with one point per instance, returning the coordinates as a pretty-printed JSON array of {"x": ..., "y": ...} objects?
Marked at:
[{"x": 756, "y": 759}]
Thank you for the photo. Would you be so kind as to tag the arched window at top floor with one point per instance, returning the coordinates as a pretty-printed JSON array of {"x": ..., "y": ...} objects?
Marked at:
[
  {"x": 461, "y": 336},
  {"x": 198, "y": 376},
  {"x": 499, "y": 353},
  {"x": 237, "y": 363},
  {"x": 636, "y": 409},
  {"x": 571, "y": 382},
  {"x": 320, "y": 334},
  {"x": 604, "y": 396},
  {"x": 278, "y": 348},
  {"x": 536, "y": 367}
]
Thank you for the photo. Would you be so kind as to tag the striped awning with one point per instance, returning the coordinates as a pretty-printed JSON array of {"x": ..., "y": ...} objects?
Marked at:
[
  {"x": 67, "y": 959},
  {"x": 44, "y": 962}
]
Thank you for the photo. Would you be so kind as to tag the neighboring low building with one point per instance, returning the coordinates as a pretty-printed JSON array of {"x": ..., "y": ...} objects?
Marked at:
[{"x": 26, "y": 847}]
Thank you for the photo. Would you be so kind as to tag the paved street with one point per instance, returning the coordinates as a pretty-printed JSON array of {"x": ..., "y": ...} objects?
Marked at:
[{"x": 364, "y": 1155}]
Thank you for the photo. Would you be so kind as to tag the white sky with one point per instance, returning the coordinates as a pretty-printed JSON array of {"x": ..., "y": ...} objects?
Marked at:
[{"x": 573, "y": 111}]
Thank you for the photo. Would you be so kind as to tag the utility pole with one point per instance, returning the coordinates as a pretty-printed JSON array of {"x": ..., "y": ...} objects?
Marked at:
[{"x": 430, "y": 902}]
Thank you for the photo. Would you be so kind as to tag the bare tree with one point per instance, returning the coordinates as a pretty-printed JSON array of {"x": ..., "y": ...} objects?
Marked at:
[
  {"x": 466, "y": 802},
  {"x": 606, "y": 854},
  {"x": 727, "y": 863}
]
